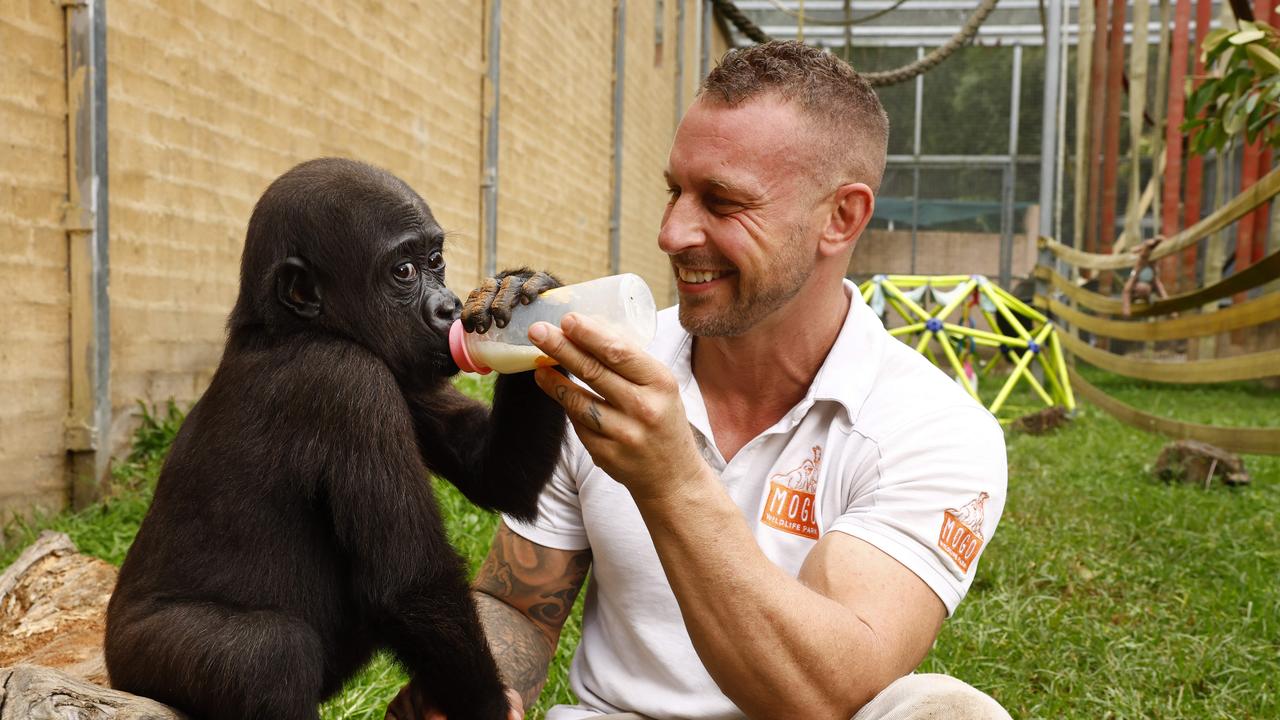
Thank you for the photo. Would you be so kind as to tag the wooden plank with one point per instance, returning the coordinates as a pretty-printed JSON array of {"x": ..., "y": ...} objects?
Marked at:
[
  {"x": 1265, "y": 441},
  {"x": 1083, "y": 102},
  {"x": 1265, "y": 189},
  {"x": 1195, "y": 163},
  {"x": 1111, "y": 132},
  {"x": 1251, "y": 233},
  {"x": 1137, "y": 111},
  {"x": 1158, "y": 105},
  {"x": 1168, "y": 267},
  {"x": 1098, "y": 91},
  {"x": 1246, "y": 314},
  {"x": 1241, "y": 367},
  {"x": 1263, "y": 272}
]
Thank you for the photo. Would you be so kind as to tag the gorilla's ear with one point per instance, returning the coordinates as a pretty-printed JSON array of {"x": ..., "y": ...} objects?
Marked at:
[{"x": 297, "y": 289}]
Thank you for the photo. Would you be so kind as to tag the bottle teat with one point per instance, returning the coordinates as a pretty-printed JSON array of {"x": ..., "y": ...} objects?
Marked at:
[{"x": 458, "y": 349}]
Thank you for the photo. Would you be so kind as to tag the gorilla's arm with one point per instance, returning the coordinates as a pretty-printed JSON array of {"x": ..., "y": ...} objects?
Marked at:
[{"x": 499, "y": 459}]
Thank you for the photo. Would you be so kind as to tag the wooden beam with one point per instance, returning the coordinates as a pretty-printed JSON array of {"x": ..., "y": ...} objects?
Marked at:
[
  {"x": 1246, "y": 314},
  {"x": 1098, "y": 103},
  {"x": 1265, "y": 189},
  {"x": 1234, "y": 439},
  {"x": 1137, "y": 111},
  {"x": 1195, "y": 163},
  {"x": 1084, "y": 88},
  {"x": 1111, "y": 131},
  {"x": 1258, "y": 274},
  {"x": 1188, "y": 372},
  {"x": 1173, "y": 134}
]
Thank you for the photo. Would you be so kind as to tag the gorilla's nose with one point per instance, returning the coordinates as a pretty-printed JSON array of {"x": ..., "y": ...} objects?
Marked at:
[{"x": 442, "y": 309}]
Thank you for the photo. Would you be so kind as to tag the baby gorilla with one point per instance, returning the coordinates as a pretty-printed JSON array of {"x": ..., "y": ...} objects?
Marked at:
[{"x": 294, "y": 530}]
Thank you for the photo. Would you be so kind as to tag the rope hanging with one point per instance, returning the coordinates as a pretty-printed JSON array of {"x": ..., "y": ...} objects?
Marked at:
[
  {"x": 731, "y": 13},
  {"x": 838, "y": 23}
]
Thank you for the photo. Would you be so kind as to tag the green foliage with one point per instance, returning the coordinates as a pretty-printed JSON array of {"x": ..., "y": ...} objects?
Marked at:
[
  {"x": 106, "y": 530},
  {"x": 1241, "y": 94}
]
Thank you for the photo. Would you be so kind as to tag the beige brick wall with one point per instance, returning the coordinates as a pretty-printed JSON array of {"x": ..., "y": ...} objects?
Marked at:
[
  {"x": 648, "y": 128},
  {"x": 556, "y": 134},
  {"x": 209, "y": 100},
  {"x": 939, "y": 253},
  {"x": 34, "y": 391}
]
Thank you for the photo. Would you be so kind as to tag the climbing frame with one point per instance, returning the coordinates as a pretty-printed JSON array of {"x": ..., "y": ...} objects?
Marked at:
[{"x": 1019, "y": 333}]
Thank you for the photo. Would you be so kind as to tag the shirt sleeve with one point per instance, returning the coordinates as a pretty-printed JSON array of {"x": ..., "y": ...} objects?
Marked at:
[
  {"x": 936, "y": 492},
  {"x": 559, "y": 521}
]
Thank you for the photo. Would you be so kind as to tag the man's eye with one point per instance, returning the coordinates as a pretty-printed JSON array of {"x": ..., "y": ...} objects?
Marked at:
[
  {"x": 673, "y": 192},
  {"x": 435, "y": 263},
  {"x": 406, "y": 271}
]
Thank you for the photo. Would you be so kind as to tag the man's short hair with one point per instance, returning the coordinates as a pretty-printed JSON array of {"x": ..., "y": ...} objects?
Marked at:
[{"x": 825, "y": 88}]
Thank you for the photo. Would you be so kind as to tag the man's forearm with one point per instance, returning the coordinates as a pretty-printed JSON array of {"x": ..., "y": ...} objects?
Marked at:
[
  {"x": 523, "y": 652},
  {"x": 770, "y": 642}
]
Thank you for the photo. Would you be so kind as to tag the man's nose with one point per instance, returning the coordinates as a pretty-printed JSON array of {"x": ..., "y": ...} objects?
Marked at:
[{"x": 682, "y": 228}]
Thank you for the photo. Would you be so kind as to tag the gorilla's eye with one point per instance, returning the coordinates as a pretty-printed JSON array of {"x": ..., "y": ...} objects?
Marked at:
[
  {"x": 406, "y": 271},
  {"x": 435, "y": 263}
]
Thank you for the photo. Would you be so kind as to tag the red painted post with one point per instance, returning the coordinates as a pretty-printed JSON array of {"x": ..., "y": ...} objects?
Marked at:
[
  {"x": 1097, "y": 109},
  {"x": 1265, "y": 11},
  {"x": 1195, "y": 162},
  {"x": 1262, "y": 216},
  {"x": 1168, "y": 266},
  {"x": 1111, "y": 134}
]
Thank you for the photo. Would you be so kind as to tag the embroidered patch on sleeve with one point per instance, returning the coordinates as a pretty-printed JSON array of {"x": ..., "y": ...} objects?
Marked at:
[
  {"x": 791, "y": 506},
  {"x": 961, "y": 534}
]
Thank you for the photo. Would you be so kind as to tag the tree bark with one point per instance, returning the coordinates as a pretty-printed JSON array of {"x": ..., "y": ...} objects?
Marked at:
[{"x": 29, "y": 692}]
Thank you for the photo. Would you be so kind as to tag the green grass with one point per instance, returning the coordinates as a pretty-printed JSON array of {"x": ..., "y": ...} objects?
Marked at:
[{"x": 1105, "y": 593}]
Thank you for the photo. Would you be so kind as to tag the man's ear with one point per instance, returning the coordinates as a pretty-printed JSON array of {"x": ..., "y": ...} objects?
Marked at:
[
  {"x": 297, "y": 289},
  {"x": 853, "y": 206}
]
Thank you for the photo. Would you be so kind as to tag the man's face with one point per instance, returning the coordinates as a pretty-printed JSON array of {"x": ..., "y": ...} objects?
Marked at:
[{"x": 741, "y": 229}]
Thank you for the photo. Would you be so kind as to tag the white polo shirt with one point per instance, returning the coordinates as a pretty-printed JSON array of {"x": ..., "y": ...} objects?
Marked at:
[{"x": 884, "y": 447}]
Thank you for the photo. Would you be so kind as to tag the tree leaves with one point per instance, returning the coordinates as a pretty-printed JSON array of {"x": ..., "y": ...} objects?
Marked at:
[{"x": 1241, "y": 93}]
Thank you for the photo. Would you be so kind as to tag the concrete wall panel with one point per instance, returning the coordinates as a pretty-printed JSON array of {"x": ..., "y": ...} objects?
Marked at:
[{"x": 34, "y": 366}]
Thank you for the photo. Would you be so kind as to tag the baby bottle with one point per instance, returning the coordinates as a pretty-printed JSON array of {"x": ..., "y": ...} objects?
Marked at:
[{"x": 622, "y": 302}]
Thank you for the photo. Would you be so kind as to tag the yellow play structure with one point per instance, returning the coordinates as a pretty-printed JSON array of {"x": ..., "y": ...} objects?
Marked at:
[{"x": 927, "y": 303}]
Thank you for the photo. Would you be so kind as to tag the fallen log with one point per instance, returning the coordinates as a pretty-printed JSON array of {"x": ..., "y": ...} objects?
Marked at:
[{"x": 30, "y": 692}]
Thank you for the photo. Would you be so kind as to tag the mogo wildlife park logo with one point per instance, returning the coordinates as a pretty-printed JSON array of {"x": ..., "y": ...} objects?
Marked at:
[
  {"x": 961, "y": 534},
  {"x": 790, "y": 506}
]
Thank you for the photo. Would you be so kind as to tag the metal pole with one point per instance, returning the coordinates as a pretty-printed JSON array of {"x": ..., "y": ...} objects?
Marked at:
[
  {"x": 915, "y": 166},
  {"x": 489, "y": 183},
  {"x": 1011, "y": 173},
  {"x": 85, "y": 219},
  {"x": 705, "y": 65},
  {"x": 1059, "y": 184},
  {"x": 679, "y": 110},
  {"x": 848, "y": 31},
  {"x": 1049, "y": 113},
  {"x": 619, "y": 95}
]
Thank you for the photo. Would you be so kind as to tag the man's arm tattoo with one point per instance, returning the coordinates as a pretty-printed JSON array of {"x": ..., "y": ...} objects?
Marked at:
[
  {"x": 524, "y": 594},
  {"x": 522, "y": 652}
]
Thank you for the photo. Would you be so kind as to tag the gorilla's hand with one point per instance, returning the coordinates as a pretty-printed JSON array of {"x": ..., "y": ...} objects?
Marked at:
[
  {"x": 496, "y": 297},
  {"x": 411, "y": 704}
]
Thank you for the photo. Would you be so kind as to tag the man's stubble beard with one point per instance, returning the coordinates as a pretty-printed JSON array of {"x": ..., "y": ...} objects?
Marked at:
[{"x": 792, "y": 271}]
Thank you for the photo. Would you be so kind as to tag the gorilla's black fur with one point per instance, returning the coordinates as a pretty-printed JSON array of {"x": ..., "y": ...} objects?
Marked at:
[{"x": 294, "y": 530}]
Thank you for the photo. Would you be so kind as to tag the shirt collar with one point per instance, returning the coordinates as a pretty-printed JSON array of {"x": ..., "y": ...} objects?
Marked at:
[{"x": 845, "y": 376}]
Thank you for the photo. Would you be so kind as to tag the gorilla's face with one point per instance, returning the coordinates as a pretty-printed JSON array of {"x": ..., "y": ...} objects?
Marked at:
[
  {"x": 408, "y": 285},
  {"x": 341, "y": 247}
]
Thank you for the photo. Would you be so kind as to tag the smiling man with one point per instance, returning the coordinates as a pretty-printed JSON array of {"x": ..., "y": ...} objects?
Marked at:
[{"x": 778, "y": 503}]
